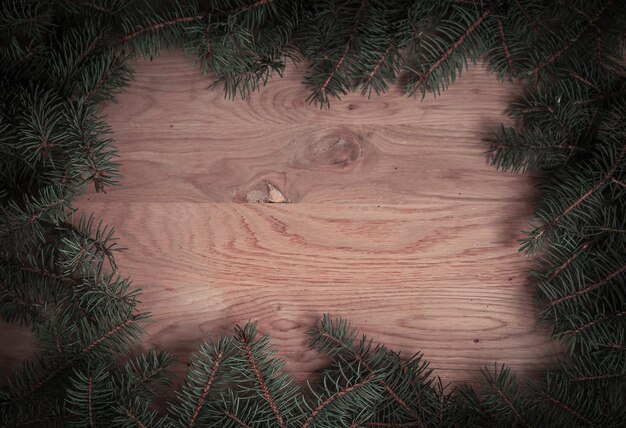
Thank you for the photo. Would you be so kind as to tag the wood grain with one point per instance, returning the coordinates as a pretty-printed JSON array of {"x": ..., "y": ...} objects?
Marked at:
[{"x": 395, "y": 221}]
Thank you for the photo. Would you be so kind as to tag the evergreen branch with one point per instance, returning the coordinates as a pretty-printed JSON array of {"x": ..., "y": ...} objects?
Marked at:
[
  {"x": 570, "y": 259},
  {"x": 565, "y": 407},
  {"x": 90, "y": 401},
  {"x": 96, "y": 7},
  {"x": 30, "y": 307},
  {"x": 598, "y": 321},
  {"x": 616, "y": 346},
  {"x": 595, "y": 286},
  {"x": 260, "y": 379},
  {"x": 160, "y": 26},
  {"x": 391, "y": 425},
  {"x": 554, "y": 57},
  {"x": 68, "y": 363},
  {"x": 584, "y": 81},
  {"x": 446, "y": 55},
  {"x": 607, "y": 177},
  {"x": 506, "y": 399},
  {"x": 46, "y": 273},
  {"x": 368, "y": 367},
  {"x": 576, "y": 10},
  {"x": 235, "y": 419},
  {"x": 534, "y": 22},
  {"x": 598, "y": 377},
  {"x": 619, "y": 183},
  {"x": 379, "y": 63},
  {"x": 245, "y": 7},
  {"x": 611, "y": 230},
  {"x": 118, "y": 61},
  {"x": 206, "y": 389},
  {"x": 339, "y": 63},
  {"x": 505, "y": 47},
  {"x": 133, "y": 417},
  {"x": 328, "y": 401}
]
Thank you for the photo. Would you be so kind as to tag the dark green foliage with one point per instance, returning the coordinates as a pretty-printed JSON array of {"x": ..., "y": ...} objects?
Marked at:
[{"x": 59, "y": 60}]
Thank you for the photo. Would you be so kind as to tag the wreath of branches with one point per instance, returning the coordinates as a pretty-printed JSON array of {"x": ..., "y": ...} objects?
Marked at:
[{"x": 60, "y": 59}]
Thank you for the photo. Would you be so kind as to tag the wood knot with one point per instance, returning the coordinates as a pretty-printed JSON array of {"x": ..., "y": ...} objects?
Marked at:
[
  {"x": 266, "y": 192},
  {"x": 335, "y": 150}
]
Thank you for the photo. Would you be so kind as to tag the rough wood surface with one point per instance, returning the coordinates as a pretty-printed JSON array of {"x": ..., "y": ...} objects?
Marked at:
[{"x": 394, "y": 219}]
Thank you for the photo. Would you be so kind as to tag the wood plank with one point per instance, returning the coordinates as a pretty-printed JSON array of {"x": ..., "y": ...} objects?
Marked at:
[
  {"x": 431, "y": 277},
  {"x": 395, "y": 221}
]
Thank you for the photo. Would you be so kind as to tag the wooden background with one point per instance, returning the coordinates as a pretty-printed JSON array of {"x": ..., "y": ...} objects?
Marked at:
[{"x": 394, "y": 219}]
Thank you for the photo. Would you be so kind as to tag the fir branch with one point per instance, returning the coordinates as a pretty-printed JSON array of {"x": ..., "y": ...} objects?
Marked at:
[
  {"x": 506, "y": 399},
  {"x": 611, "y": 230},
  {"x": 599, "y": 185},
  {"x": 594, "y": 378},
  {"x": 598, "y": 321},
  {"x": 572, "y": 41},
  {"x": 235, "y": 419},
  {"x": 570, "y": 259},
  {"x": 30, "y": 307},
  {"x": 70, "y": 361},
  {"x": 96, "y": 7},
  {"x": 392, "y": 425},
  {"x": 505, "y": 47},
  {"x": 133, "y": 417},
  {"x": 161, "y": 25},
  {"x": 328, "y": 401},
  {"x": 342, "y": 58},
  {"x": 206, "y": 389},
  {"x": 446, "y": 55},
  {"x": 595, "y": 286},
  {"x": 245, "y": 7},
  {"x": 565, "y": 407},
  {"x": 379, "y": 63},
  {"x": 260, "y": 379},
  {"x": 90, "y": 400},
  {"x": 368, "y": 367}
]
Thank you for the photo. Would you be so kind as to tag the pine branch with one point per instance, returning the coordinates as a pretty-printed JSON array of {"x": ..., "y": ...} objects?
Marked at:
[
  {"x": 595, "y": 286},
  {"x": 598, "y": 321},
  {"x": 95, "y": 7},
  {"x": 446, "y": 55},
  {"x": 572, "y": 41},
  {"x": 342, "y": 58},
  {"x": 379, "y": 62},
  {"x": 205, "y": 391},
  {"x": 565, "y": 407},
  {"x": 245, "y": 7},
  {"x": 70, "y": 361},
  {"x": 161, "y": 25},
  {"x": 133, "y": 417},
  {"x": 601, "y": 377},
  {"x": 505, "y": 399},
  {"x": 505, "y": 47},
  {"x": 235, "y": 419},
  {"x": 241, "y": 338},
  {"x": 599, "y": 185},
  {"x": 365, "y": 364},
  {"x": 328, "y": 401},
  {"x": 90, "y": 400}
]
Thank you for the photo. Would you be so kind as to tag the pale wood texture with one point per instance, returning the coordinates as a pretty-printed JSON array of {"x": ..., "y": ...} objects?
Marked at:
[{"x": 395, "y": 220}]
